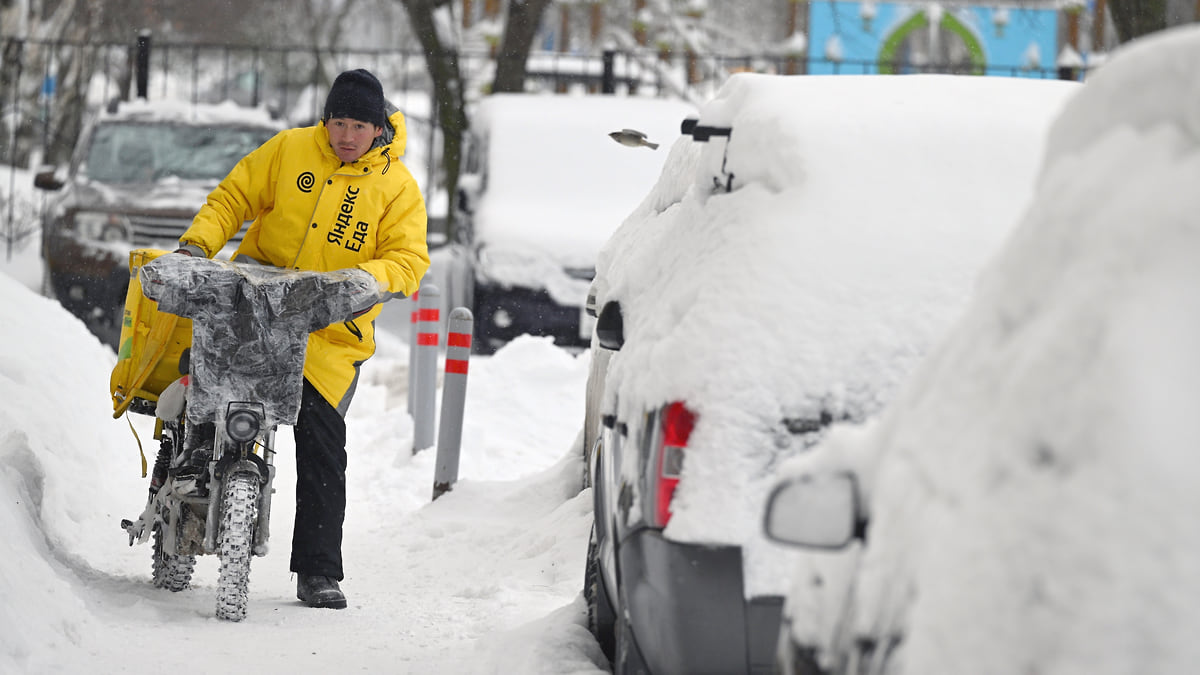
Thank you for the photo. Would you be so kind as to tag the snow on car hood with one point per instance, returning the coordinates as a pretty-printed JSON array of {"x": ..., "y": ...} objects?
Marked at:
[
  {"x": 165, "y": 195},
  {"x": 861, "y": 210}
]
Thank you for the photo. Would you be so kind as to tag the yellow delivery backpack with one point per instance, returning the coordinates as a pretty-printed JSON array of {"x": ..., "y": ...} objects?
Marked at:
[{"x": 152, "y": 343}]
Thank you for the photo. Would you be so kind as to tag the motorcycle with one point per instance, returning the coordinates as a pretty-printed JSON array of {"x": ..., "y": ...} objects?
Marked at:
[{"x": 242, "y": 377}]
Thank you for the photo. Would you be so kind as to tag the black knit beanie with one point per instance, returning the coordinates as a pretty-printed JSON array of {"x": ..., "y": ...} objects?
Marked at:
[{"x": 358, "y": 95}]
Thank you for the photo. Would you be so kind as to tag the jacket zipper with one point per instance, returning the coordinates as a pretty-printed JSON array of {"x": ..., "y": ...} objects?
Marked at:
[{"x": 308, "y": 228}]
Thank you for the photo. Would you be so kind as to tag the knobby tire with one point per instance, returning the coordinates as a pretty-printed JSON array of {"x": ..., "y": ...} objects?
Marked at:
[
  {"x": 170, "y": 571},
  {"x": 235, "y": 544}
]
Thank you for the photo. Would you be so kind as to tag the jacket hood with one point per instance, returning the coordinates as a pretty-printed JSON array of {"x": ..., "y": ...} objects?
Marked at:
[{"x": 395, "y": 135}]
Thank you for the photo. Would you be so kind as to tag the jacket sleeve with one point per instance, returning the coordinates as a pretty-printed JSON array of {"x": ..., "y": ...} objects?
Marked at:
[
  {"x": 247, "y": 191},
  {"x": 402, "y": 255}
]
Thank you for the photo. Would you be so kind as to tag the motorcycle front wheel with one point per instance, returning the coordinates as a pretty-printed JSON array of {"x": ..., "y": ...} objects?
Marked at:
[{"x": 234, "y": 545}]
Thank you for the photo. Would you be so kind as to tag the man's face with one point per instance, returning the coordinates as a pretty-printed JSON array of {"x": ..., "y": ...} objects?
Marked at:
[{"x": 351, "y": 138}]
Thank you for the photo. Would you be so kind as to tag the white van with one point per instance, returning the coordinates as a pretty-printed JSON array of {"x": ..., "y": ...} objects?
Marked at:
[{"x": 543, "y": 188}]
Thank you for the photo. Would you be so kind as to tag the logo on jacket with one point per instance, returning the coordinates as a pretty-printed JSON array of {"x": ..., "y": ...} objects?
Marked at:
[
  {"x": 305, "y": 181},
  {"x": 346, "y": 232}
]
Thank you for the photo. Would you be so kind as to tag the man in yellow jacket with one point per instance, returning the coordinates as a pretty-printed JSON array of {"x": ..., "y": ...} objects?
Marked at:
[{"x": 322, "y": 198}]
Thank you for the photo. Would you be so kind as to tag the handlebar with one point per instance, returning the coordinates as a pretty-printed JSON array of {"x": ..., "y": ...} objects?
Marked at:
[{"x": 250, "y": 326}]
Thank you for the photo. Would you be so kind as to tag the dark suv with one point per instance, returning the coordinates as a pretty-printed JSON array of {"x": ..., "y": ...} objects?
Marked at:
[{"x": 136, "y": 179}]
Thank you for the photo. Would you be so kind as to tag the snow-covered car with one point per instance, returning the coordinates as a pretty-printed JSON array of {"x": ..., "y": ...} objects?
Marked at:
[
  {"x": 136, "y": 178},
  {"x": 1028, "y": 501},
  {"x": 808, "y": 241},
  {"x": 544, "y": 188}
]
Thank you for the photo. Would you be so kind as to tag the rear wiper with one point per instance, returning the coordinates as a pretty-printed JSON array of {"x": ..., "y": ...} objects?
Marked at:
[{"x": 807, "y": 425}]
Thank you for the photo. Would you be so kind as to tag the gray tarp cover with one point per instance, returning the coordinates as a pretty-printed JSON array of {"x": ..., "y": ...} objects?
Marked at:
[{"x": 250, "y": 326}]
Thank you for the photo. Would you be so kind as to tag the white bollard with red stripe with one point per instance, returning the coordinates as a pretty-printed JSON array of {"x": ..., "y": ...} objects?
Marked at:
[
  {"x": 454, "y": 399},
  {"x": 425, "y": 369},
  {"x": 414, "y": 304}
]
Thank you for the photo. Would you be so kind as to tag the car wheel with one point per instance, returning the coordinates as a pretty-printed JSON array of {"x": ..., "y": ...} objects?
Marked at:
[
  {"x": 601, "y": 617},
  {"x": 481, "y": 342}
]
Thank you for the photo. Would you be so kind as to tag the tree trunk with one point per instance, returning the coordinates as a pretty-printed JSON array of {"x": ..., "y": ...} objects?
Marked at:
[
  {"x": 12, "y": 63},
  {"x": 639, "y": 25},
  {"x": 1099, "y": 18},
  {"x": 449, "y": 104},
  {"x": 520, "y": 29},
  {"x": 596, "y": 22},
  {"x": 1135, "y": 18}
]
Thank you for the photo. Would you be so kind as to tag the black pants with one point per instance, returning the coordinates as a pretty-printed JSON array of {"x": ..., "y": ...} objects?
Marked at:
[{"x": 320, "y": 487}]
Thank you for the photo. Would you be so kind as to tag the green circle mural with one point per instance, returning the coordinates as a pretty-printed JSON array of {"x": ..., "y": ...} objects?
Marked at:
[{"x": 949, "y": 23}]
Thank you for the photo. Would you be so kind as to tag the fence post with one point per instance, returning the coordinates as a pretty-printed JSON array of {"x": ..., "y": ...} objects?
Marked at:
[
  {"x": 454, "y": 399},
  {"x": 424, "y": 407},
  {"x": 143, "y": 64},
  {"x": 608, "y": 78}
]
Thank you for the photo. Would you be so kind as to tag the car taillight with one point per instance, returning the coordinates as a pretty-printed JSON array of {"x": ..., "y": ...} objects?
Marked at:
[{"x": 677, "y": 423}]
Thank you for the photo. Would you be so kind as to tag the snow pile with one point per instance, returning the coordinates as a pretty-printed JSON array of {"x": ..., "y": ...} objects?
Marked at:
[
  {"x": 485, "y": 579},
  {"x": 61, "y": 475},
  {"x": 1034, "y": 498}
]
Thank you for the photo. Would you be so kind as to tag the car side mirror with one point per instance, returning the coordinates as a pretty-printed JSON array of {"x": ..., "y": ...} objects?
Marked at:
[
  {"x": 610, "y": 326},
  {"x": 469, "y": 187},
  {"x": 46, "y": 179},
  {"x": 596, "y": 292},
  {"x": 815, "y": 511}
]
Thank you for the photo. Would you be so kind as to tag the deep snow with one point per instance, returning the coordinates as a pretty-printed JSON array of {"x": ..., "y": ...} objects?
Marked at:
[{"x": 485, "y": 579}]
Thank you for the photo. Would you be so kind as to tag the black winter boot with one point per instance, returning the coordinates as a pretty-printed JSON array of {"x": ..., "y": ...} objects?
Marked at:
[{"x": 318, "y": 591}]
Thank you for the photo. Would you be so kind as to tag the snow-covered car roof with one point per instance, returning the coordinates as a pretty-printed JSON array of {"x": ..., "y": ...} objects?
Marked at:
[
  {"x": 1032, "y": 492},
  {"x": 183, "y": 112},
  {"x": 801, "y": 268},
  {"x": 557, "y": 185}
]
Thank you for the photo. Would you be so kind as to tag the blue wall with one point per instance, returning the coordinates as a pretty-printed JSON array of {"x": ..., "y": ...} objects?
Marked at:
[{"x": 1004, "y": 51}]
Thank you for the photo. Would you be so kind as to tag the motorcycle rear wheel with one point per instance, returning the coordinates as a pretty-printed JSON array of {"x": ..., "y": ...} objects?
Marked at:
[
  {"x": 234, "y": 546},
  {"x": 170, "y": 571}
]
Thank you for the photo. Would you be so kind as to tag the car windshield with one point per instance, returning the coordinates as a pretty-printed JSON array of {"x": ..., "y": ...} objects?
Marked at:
[{"x": 140, "y": 152}]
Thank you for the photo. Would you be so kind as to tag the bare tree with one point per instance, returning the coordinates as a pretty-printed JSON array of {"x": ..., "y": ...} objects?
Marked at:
[
  {"x": 42, "y": 87},
  {"x": 524, "y": 19},
  {"x": 432, "y": 22},
  {"x": 1134, "y": 18}
]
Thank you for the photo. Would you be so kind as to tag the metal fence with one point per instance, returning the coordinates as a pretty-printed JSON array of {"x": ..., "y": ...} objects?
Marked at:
[{"x": 47, "y": 87}]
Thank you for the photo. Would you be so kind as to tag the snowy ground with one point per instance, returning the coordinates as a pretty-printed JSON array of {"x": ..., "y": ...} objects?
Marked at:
[{"x": 485, "y": 579}]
